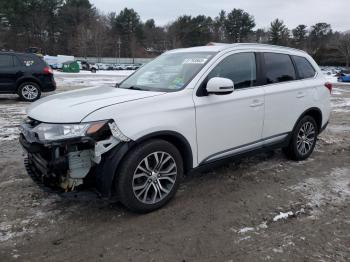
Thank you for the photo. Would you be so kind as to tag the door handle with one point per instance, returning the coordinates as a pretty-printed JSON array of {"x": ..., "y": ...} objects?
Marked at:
[
  {"x": 300, "y": 94},
  {"x": 256, "y": 103}
]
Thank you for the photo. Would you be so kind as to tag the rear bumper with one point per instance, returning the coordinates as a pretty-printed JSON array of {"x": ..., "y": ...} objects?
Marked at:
[
  {"x": 49, "y": 87},
  {"x": 48, "y": 84}
]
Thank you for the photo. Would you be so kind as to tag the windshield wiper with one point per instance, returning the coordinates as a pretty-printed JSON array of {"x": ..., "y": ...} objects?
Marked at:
[
  {"x": 135, "y": 88},
  {"x": 132, "y": 87}
]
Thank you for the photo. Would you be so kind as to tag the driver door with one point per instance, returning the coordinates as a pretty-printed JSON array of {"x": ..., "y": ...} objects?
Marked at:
[{"x": 232, "y": 123}]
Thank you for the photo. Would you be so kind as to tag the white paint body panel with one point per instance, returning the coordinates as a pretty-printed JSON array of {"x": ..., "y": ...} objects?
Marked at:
[
  {"x": 73, "y": 106},
  {"x": 211, "y": 124}
]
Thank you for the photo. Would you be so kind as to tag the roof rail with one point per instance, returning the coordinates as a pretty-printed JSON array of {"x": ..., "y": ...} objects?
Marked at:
[{"x": 254, "y": 44}]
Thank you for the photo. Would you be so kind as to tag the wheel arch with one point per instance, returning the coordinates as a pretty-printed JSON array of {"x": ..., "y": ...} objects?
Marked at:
[
  {"x": 27, "y": 80},
  {"x": 314, "y": 112},
  {"x": 107, "y": 170},
  {"x": 178, "y": 140}
]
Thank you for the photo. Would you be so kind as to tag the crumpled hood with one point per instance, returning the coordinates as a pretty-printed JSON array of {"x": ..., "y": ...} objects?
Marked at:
[{"x": 73, "y": 106}]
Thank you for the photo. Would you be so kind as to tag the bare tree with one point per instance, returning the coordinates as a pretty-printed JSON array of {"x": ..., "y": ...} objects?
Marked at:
[{"x": 342, "y": 44}]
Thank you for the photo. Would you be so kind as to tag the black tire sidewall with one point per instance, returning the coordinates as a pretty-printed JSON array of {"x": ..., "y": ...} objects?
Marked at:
[
  {"x": 294, "y": 148},
  {"x": 130, "y": 162},
  {"x": 29, "y": 83}
]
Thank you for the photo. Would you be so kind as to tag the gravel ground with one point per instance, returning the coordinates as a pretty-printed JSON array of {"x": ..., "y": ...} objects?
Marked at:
[{"x": 261, "y": 208}]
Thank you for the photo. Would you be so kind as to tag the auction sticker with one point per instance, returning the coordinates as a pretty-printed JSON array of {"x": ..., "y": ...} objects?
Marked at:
[{"x": 195, "y": 61}]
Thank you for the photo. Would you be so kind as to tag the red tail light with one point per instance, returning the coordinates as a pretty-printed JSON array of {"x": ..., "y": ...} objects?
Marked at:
[
  {"x": 47, "y": 70},
  {"x": 329, "y": 86}
]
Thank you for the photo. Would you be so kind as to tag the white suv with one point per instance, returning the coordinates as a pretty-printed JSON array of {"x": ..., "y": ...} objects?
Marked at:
[{"x": 186, "y": 109}]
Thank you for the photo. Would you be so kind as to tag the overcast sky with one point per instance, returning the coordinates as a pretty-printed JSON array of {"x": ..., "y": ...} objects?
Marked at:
[{"x": 293, "y": 12}]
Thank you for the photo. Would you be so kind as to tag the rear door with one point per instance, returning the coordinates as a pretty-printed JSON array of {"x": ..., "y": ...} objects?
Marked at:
[
  {"x": 8, "y": 73},
  {"x": 287, "y": 96}
]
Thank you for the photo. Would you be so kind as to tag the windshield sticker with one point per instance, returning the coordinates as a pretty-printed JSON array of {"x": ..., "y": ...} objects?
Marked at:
[
  {"x": 195, "y": 61},
  {"x": 28, "y": 62}
]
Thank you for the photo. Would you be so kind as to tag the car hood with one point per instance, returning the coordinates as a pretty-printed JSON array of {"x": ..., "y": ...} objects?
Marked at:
[{"x": 74, "y": 106}]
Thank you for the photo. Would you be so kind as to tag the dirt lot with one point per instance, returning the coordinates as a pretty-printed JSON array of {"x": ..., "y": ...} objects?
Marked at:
[{"x": 262, "y": 208}]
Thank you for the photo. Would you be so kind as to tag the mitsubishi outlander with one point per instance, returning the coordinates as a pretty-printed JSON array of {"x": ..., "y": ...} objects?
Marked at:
[{"x": 186, "y": 109}]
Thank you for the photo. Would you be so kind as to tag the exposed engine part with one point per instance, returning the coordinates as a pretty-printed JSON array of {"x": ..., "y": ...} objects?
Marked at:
[
  {"x": 79, "y": 163},
  {"x": 68, "y": 184}
]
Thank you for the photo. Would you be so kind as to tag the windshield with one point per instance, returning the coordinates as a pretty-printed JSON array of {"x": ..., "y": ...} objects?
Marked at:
[{"x": 169, "y": 72}]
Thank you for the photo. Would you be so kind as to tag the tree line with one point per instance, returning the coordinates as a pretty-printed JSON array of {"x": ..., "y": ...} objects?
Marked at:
[{"x": 76, "y": 27}]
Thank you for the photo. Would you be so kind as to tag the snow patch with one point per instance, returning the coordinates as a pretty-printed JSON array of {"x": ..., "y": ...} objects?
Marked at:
[
  {"x": 333, "y": 188},
  {"x": 340, "y": 104},
  {"x": 282, "y": 216},
  {"x": 10, "y": 118},
  {"x": 245, "y": 230}
]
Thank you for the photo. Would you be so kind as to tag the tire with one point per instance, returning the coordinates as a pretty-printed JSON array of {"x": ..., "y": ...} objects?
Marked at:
[
  {"x": 303, "y": 139},
  {"x": 29, "y": 91},
  {"x": 142, "y": 186},
  {"x": 93, "y": 70}
]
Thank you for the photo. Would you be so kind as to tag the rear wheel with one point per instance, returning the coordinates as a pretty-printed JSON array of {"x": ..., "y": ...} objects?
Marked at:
[
  {"x": 303, "y": 139},
  {"x": 149, "y": 176},
  {"x": 29, "y": 91}
]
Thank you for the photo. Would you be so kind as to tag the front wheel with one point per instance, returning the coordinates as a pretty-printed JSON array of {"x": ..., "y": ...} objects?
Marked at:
[
  {"x": 29, "y": 92},
  {"x": 303, "y": 139},
  {"x": 149, "y": 176}
]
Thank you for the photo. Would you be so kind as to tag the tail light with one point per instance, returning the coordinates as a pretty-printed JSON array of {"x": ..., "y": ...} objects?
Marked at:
[
  {"x": 329, "y": 86},
  {"x": 48, "y": 70}
]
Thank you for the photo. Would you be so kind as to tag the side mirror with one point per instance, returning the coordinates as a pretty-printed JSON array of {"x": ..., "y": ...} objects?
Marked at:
[{"x": 220, "y": 86}]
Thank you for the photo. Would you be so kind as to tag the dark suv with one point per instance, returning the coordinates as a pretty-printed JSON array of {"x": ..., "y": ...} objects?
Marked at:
[{"x": 26, "y": 75}]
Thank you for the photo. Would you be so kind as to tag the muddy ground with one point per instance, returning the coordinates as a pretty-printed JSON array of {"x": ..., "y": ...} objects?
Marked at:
[{"x": 259, "y": 209}]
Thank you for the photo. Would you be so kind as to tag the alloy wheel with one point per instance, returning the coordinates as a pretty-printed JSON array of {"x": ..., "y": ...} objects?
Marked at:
[
  {"x": 30, "y": 92},
  {"x": 306, "y": 138},
  {"x": 154, "y": 177}
]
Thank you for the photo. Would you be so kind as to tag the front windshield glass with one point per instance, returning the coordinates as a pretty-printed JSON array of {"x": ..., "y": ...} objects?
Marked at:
[{"x": 169, "y": 72}]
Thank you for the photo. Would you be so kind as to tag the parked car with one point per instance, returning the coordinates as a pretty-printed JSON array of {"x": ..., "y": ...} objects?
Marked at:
[
  {"x": 133, "y": 67},
  {"x": 342, "y": 73},
  {"x": 344, "y": 78},
  {"x": 26, "y": 75},
  {"x": 93, "y": 68},
  {"x": 187, "y": 109},
  {"x": 84, "y": 65},
  {"x": 102, "y": 66}
]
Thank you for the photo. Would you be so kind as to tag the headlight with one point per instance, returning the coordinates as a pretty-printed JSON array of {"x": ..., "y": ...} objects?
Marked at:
[{"x": 48, "y": 132}]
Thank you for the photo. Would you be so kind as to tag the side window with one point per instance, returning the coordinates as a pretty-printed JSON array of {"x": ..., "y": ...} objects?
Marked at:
[
  {"x": 6, "y": 61},
  {"x": 240, "y": 68},
  {"x": 304, "y": 68},
  {"x": 278, "y": 68},
  {"x": 16, "y": 61}
]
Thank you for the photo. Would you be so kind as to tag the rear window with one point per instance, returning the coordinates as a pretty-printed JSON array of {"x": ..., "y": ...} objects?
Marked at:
[
  {"x": 279, "y": 68},
  {"x": 30, "y": 60},
  {"x": 6, "y": 61},
  {"x": 304, "y": 68}
]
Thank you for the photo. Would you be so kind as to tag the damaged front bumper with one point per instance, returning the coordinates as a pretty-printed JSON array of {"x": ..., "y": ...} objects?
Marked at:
[{"x": 68, "y": 163}]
